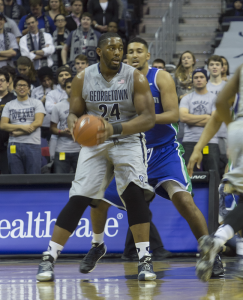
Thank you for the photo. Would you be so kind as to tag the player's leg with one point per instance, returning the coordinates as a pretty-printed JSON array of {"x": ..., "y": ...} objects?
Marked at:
[
  {"x": 98, "y": 249},
  {"x": 81, "y": 194},
  {"x": 233, "y": 222},
  {"x": 132, "y": 186}
]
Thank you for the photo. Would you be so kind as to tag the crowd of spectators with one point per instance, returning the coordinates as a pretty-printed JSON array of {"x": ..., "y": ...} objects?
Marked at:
[{"x": 49, "y": 43}]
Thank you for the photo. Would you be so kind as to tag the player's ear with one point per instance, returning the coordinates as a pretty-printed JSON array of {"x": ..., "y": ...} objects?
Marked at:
[
  {"x": 148, "y": 56},
  {"x": 98, "y": 51}
]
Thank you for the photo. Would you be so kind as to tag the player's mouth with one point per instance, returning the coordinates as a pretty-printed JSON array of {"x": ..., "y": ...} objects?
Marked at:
[
  {"x": 135, "y": 63},
  {"x": 116, "y": 61}
]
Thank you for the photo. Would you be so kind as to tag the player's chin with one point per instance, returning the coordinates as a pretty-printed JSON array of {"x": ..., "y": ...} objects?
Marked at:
[{"x": 115, "y": 66}]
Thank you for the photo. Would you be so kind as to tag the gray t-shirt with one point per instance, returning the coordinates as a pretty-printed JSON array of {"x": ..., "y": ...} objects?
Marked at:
[
  {"x": 23, "y": 112},
  {"x": 215, "y": 89},
  {"x": 59, "y": 115},
  {"x": 197, "y": 105},
  {"x": 13, "y": 44}
]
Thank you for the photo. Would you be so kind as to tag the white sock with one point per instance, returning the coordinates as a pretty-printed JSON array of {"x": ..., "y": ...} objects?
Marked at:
[
  {"x": 98, "y": 238},
  {"x": 142, "y": 249},
  {"x": 54, "y": 249},
  {"x": 223, "y": 234},
  {"x": 239, "y": 246}
]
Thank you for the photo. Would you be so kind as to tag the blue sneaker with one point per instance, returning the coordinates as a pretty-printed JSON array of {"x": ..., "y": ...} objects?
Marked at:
[{"x": 145, "y": 269}]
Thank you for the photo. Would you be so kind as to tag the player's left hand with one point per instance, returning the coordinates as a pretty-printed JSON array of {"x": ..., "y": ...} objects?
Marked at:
[
  {"x": 104, "y": 132},
  {"x": 195, "y": 158}
]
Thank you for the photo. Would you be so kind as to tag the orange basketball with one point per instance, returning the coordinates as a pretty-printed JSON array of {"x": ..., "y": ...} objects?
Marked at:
[{"x": 85, "y": 130}]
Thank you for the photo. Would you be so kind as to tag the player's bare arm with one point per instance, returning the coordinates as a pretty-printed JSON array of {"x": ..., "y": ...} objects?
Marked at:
[
  {"x": 169, "y": 99},
  {"x": 144, "y": 105},
  {"x": 223, "y": 101},
  {"x": 77, "y": 103}
]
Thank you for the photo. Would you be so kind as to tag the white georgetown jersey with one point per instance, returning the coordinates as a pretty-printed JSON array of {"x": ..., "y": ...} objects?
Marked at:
[{"x": 111, "y": 100}]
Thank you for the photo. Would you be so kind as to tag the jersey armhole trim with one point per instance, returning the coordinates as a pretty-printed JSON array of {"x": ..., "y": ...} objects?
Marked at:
[{"x": 155, "y": 77}]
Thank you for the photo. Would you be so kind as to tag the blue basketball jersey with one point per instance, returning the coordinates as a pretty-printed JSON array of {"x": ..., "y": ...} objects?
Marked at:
[{"x": 160, "y": 134}]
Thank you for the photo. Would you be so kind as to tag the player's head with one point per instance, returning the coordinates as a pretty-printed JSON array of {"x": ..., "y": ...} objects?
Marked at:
[
  {"x": 215, "y": 65},
  {"x": 68, "y": 85},
  {"x": 159, "y": 64},
  {"x": 225, "y": 71},
  {"x": 81, "y": 62},
  {"x": 110, "y": 50},
  {"x": 199, "y": 78},
  {"x": 137, "y": 53}
]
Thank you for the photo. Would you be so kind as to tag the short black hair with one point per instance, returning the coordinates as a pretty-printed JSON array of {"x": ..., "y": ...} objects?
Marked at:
[
  {"x": 72, "y": 1},
  {"x": 55, "y": 19},
  {"x": 10, "y": 70},
  {"x": 24, "y": 78},
  {"x": 5, "y": 74},
  {"x": 159, "y": 60},
  {"x": 106, "y": 36},
  {"x": 70, "y": 79},
  {"x": 30, "y": 16},
  {"x": 86, "y": 14},
  {"x": 138, "y": 40}
]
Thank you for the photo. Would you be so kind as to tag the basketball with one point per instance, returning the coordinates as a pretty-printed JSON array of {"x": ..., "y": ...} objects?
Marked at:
[{"x": 85, "y": 130}]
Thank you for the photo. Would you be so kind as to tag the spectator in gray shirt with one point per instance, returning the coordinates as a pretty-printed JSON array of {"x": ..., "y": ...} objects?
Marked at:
[
  {"x": 214, "y": 86},
  {"x": 23, "y": 117},
  {"x": 8, "y": 44},
  {"x": 195, "y": 111},
  {"x": 67, "y": 151}
]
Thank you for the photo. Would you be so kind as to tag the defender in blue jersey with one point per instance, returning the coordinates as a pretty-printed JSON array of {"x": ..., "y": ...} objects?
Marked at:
[{"x": 167, "y": 172}]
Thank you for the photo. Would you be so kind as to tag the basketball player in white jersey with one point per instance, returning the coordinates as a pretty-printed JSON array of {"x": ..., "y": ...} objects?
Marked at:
[
  {"x": 233, "y": 222},
  {"x": 120, "y": 95}
]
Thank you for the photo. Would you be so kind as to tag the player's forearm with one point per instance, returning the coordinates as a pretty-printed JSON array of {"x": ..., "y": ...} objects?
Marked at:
[
  {"x": 64, "y": 55},
  {"x": 211, "y": 128},
  {"x": 142, "y": 123},
  {"x": 223, "y": 109},
  {"x": 167, "y": 117}
]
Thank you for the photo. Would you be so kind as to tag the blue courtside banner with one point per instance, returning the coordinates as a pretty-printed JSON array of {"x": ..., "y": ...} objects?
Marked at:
[{"x": 28, "y": 215}]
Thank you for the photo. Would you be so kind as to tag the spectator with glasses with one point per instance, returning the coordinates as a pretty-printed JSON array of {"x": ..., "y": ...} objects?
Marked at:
[
  {"x": 23, "y": 118},
  {"x": 60, "y": 36},
  {"x": 37, "y": 45}
]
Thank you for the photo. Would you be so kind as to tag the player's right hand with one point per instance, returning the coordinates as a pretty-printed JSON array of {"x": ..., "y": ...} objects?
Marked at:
[{"x": 195, "y": 158}]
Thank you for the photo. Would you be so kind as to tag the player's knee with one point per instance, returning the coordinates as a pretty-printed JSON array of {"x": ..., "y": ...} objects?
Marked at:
[
  {"x": 184, "y": 202},
  {"x": 71, "y": 214},
  {"x": 103, "y": 206}
]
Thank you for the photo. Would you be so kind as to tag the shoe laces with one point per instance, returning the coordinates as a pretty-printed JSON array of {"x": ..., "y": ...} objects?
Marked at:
[
  {"x": 46, "y": 265},
  {"x": 146, "y": 264},
  {"x": 90, "y": 255}
]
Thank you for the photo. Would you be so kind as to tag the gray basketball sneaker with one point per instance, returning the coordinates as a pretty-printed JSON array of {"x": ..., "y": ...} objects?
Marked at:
[
  {"x": 208, "y": 252},
  {"x": 46, "y": 268},
  {"x": 145, "y": 269}
]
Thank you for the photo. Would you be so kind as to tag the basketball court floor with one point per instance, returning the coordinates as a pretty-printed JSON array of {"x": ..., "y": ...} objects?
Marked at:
[{"x": 115, "y": 279}]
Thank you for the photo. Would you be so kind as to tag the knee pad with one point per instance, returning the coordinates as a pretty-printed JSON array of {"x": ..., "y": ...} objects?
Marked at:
[
  {"x": 71, "y": 214},
  {"x": 137, "y": 208}
]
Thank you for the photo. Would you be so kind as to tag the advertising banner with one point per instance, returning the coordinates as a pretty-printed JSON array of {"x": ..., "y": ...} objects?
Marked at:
[{"x": 28, "y": 215}]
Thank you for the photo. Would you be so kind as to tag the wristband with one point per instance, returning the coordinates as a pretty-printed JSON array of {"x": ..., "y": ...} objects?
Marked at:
[
  {"x": 117, "y": 128},
  {"x": 59, "y": 131}
]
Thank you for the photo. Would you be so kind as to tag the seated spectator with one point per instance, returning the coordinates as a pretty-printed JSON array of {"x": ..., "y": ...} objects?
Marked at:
[
  {"x": 26, "y": 68},
  {"x": 10, "y": 24},
  {"x": 113, "y": 27},
  {"x": 5, "y": 97},
  {"x": 124, "y": 60},
  {"x": 159, "y": 63},
  {"x": 44, "y": 21},
  {"x": 60, "y": 36},
  {"x": 67, "y": 151},
  {"x": 103, "y": 12},
  {"x": 225, "y": 72},
  {"x": 74, "y": 19},
  {"x": 54, "y": 97},
  {"x": 81, "y": 63},
  {"x": 83, "y": 40},
  {"x": 54, "y": 8},
  {"x": 13, "y": 10},
  {"x": 12, "y": 73},
  {"x": 45, "y": 76},
  {"x": 37, "y": 45},
  {"x": 8, "y": 44},
  {"x": 23, "y": 118},
  {"x": 236, "y": 11},
  {"x": 195, "y": 111}
]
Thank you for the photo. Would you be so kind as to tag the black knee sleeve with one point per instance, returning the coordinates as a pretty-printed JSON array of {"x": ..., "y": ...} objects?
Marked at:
[
  {"x": 235, "y": 217},
  {"x": 137, "y": 208},
  {"x": 71, "y": 214}
]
